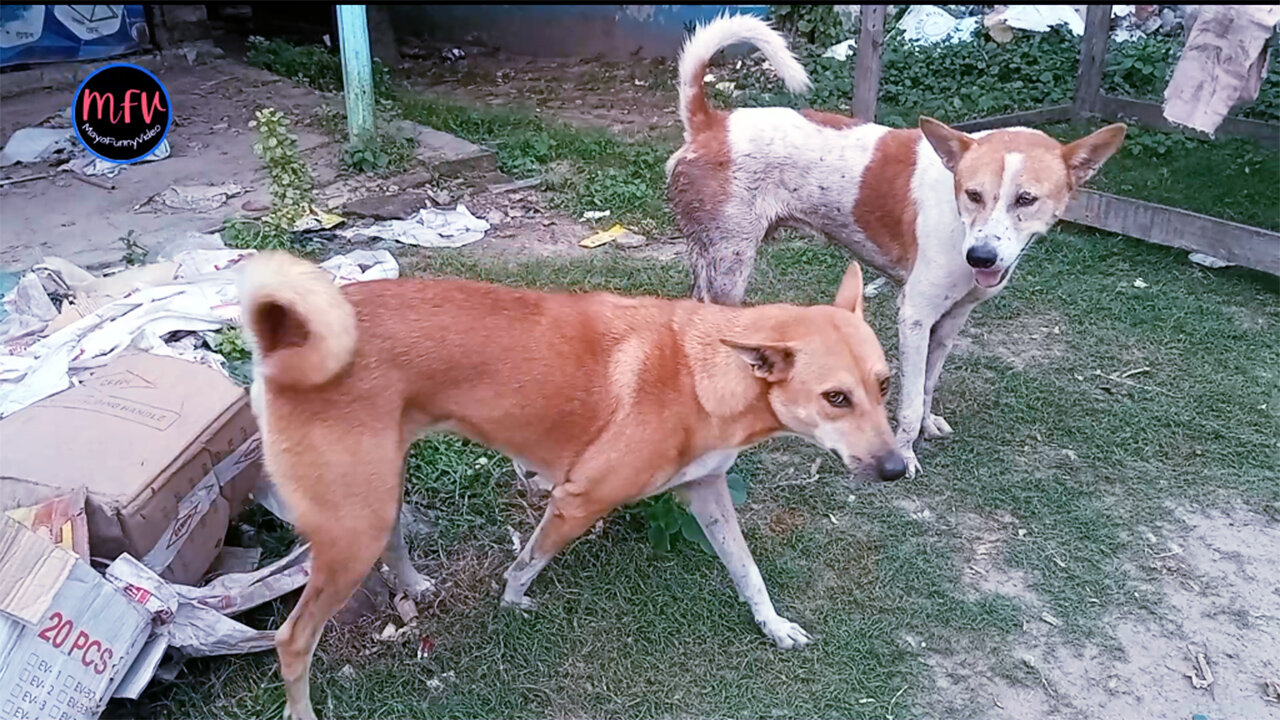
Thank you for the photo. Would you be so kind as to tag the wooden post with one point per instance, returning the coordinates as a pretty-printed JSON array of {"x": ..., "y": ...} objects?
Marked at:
[
  {"x": 866, "y": 71},
  {"x": 1093, "y": 59},
  {"x": 357, "y": 70}
]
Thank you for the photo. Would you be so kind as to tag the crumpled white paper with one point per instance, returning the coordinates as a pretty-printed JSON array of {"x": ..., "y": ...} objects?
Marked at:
[
  {"x": 362, "y": 265},
  {"x": 430, "y": 227},
  {"x": 1039, "y": 18},
  {"x": 931, "y": 25},
  {"x": 34, "y": 144}
]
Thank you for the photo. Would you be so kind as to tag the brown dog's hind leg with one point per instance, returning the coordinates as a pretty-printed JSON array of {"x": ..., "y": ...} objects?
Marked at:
[{"x": 347, "y": 532}]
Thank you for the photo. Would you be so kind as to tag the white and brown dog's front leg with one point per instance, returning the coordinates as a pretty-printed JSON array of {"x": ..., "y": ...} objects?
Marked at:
[
  {"x": 915, "y": 325},
  {"x": 709, "y": 500},
  {"x": 941, "y": 341}
]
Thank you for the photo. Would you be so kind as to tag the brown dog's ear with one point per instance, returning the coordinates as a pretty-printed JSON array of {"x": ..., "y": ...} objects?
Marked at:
[
  {"x": 1086, "y": 155},
  {"x": 849, "y": 296},
  {"x": 950, "y": 144},
  {"x": 769, "y": 361}
]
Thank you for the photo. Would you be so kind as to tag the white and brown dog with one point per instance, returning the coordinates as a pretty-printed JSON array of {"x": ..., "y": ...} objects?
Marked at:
[
  {"x": 944, "y": 214},
  {"x": 609, "y": 399}
]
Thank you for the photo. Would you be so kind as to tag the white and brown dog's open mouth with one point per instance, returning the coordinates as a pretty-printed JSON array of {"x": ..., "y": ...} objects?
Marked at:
[{"x": 990, "y": 277}]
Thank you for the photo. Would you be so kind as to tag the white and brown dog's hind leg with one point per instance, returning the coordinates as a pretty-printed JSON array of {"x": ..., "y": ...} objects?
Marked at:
[
  {"x": 709, "y": 500},
  {"x": 941, "y": 340},
  {"x": 722, "y": 256}
]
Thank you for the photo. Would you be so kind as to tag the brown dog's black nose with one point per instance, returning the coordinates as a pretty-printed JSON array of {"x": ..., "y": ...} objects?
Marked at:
[{"x": 891, "y": 466}]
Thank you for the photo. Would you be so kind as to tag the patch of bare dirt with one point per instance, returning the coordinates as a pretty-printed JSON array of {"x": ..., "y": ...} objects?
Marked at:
[
  {"x": 784, "y": 521},
  {"x": 983, "y": 567},
  {"x": 1022, "y": 342},
  {"x": 1221, "y": 588},
  {"x": 629, "y": 98}
]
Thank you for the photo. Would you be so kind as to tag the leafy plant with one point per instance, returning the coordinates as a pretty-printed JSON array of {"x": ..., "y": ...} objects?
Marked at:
[
  {"x": 669, "y": 520},
  {"x": 382, "y": 153},
  {"x": 310, "y": 65},
  {"x": 819, "y": 26},
  {"x": 291, "y": 187},
  {"x": 134, "y": 253},
  {"x": 231, "y": 345}
]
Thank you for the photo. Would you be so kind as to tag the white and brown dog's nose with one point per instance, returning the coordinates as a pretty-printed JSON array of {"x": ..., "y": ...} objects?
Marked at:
[{"x": 981, "y": 256}]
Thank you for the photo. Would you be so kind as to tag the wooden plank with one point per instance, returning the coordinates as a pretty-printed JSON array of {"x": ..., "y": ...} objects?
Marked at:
[
  {"x": 1053, "y": 113},
  {"x": 866, "y": 71},
  {"x": 1093, "y": 58},
  {"x": 1240, "y": 244},
  {"x": 1152, "y": 115}
]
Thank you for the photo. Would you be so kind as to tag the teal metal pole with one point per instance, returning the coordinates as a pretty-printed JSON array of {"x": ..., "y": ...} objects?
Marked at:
[{"x": 357, "y": 69}]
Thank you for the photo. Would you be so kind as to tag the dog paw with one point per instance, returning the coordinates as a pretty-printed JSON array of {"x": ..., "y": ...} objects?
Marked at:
[
  {"x": 909, "y": 457},
  {"x": 306, "y": 714},
  {"x": 417, "y": 587},
  {"x": 525, "y": 474},
  {"x": 785, "y": 634},
  {"x": 935, "y": 427},
  {"x": 523, "y": 604}
]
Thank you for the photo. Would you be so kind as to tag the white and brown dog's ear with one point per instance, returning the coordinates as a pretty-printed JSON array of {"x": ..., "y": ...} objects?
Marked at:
[
  {"x": 949, "y": 143},
  {"x": 849, "y": 296},
  {"x": 769, "y": 361},
  {"x": 1086, "y": 155}
]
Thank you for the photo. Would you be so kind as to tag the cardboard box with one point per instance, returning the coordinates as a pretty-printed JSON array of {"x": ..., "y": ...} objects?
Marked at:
[
  {"x": 140, "y": 433},
  {"x": 67, "y": 636}
]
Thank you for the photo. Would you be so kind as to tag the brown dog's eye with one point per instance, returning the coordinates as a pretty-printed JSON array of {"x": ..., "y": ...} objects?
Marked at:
[
  {"x": 974, "y": 196},
  {"x": 1025, "y": 199},
  {"x": 884, "y": 388},
  {"x": 836, "y": 398}
]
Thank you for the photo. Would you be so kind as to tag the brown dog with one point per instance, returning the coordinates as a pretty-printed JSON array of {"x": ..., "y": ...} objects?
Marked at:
[{"x": 609, "y": 399}]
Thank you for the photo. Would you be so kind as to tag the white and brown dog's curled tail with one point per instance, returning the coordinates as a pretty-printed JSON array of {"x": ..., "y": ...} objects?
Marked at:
[
  {"x": 301, "y": 328},
  {"x": 720, "y": 33}
]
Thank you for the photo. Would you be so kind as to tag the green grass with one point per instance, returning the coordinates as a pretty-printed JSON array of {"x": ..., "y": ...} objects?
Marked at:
[
  {"x": 1229, "y": 178},
  {"x": 585, "y": 169},
  {"x": 1078, "y": 460},
  {"x": 1142, "y": 401}
]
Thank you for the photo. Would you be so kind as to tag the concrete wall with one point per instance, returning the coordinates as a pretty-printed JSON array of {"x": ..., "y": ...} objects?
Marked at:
[{"x": 611, "y": 31}]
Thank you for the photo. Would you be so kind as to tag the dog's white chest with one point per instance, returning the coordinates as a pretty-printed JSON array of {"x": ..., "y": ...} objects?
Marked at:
[{"x": 713, "y": 463}]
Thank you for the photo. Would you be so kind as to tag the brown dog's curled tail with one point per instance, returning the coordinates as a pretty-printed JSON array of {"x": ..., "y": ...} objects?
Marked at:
[{"x": 302, "y": 329}]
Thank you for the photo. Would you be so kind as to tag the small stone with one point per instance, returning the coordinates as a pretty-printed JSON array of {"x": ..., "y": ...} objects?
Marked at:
[
  {"x": 414, "y": 179},
  {"x": 495, "y": 217},
  {"x": 387, "y": 207},
  {"x": 440, "y": 197},
  {"x": 630, "y": 239},
  {"x": 254, "y": 206}
]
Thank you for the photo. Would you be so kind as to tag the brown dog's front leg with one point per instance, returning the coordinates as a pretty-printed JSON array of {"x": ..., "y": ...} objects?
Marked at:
[{"x": 709, "y": 500}]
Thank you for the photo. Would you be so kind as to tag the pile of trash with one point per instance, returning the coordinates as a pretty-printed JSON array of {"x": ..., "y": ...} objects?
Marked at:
[
  {"x": 189, "y": 291},
  {"x": 129, "y": 450},
  {"x": 54, "y": 140},
  {"x": 948, "y": 24}
]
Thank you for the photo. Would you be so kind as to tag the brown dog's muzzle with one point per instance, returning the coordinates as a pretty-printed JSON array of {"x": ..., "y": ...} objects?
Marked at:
[{"x": 891, "y": 466}]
